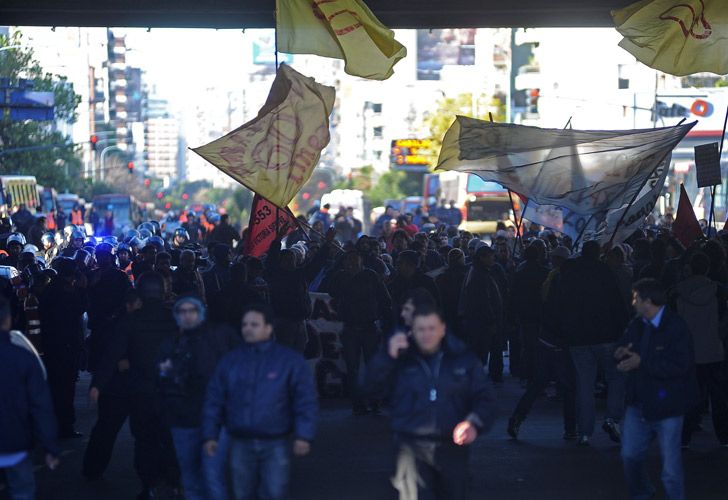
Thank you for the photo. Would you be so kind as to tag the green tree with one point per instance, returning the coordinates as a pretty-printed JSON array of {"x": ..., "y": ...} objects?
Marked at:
[
  {"x": 36, "y": 147},
  {"x": 386, "y": 188}
]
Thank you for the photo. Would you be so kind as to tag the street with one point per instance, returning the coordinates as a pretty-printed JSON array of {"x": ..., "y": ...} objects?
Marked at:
[{"x": 352, "y": 459}]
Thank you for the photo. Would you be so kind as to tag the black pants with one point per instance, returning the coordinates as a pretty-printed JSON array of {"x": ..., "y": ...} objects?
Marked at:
[
  {"x": 113, "y": 411},
  {"x": 62, "y": 375},
  {"x": 713, "y": 383},
  {"x": 358, "y": 341},
  {"x": 431, "y": 471},
  {"x": 485, "y": 341},
  {"x": 551, "y": 364},
  {"x": 154, "y": 457},
  {"x": 291, "y": 333},
  {"x": 528, "y": 339}
]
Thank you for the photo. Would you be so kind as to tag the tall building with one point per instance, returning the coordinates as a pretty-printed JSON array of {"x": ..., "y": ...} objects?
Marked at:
[{"x": 162, "y": 142}]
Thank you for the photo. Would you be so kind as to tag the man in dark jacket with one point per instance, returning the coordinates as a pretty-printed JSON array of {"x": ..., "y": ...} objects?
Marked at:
[
  {"x": 592, "y": 317},
  {"x": 482, "y": 306},
  {"x": 656, "y": 353},
  {"x": 441, "y": 401},
  {"x": 408, "y": 277},
  {"x": 288, "y": 284},
  {"x": 108, "y": 288},
  {"x": 186, "y": 365},
  {"x": 261, "y": 392},
  {"x": 62, "y": 305},
  {"x": 26, "y": 413},
  {"x": 138, "y": 338},
  {"x": 215, "y": 280},
  {"x": 224, "y": 233},
  {"x": 361, "y": 299},
  {"x": 526, "y": 296},
  {"x": 450, "y": 286}
]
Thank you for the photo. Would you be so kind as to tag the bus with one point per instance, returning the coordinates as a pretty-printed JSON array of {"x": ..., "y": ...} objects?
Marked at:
[
  {"x": 482, "y": 204},
  {"x": 48, "y": 199},
  {"x": 17, "y": 189},
  {"x": 126, "y": 210}
]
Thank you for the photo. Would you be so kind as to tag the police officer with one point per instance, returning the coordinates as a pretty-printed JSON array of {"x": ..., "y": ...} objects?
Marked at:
[
  {"x": 441, "y": 401},
  {"x": 14, "y": 245},
  {"x": 62, "y": 305},
  {"x": 108, "y": 287}
]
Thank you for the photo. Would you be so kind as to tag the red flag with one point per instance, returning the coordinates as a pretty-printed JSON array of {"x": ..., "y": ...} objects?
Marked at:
[
  {"x": 686, "y": 227},
  {"x": 262, "y": 226}
]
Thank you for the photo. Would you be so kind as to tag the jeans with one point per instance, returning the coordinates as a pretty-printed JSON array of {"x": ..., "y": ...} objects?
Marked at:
[
  {"x": 260, "y": 468},
  {"x": 427, "y": 470},
  {"x": 203, "y": 477},
  {"x": 357, "y": 341},
  {"x": 21, "y": 479},
  {"x": 713, "y": 385},
  {"x": 586, "y": 361},
  {"x": 637, "y": 434},
  {"x": 551, "y": 364}
]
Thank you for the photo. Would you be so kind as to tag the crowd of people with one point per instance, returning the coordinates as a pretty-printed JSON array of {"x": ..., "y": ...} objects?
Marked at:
[{"x": 201, "y": 346}]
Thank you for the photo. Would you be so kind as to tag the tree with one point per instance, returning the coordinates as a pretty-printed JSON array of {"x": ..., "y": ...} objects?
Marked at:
[
  {"x": 439, "y": 121},
  {"x": 35, "y": 147}
]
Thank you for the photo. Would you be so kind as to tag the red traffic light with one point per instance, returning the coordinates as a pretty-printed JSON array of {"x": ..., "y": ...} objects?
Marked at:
[
  {"x": 94, "y": 139},
  {"x": 168, "y": 205},
  {"x": 147, "y": 182},
  {"x": 185, "y": 196},
  {"x": 322, "y": 185},
  {"x": 160, "y": 195}
]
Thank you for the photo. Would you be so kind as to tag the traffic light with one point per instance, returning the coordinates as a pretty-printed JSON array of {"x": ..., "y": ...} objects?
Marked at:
[
  {"x": 533, "y": 96},
  {"x": 94, "y": 139},
  {"x": 185, "y": 196},
  {"x": 130, "y": 166}
]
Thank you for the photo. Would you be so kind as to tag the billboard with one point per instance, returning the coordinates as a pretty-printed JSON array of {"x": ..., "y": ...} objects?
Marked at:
[
  {"x": 438, "y": 48},
  {"x": 411, "y": 155}
]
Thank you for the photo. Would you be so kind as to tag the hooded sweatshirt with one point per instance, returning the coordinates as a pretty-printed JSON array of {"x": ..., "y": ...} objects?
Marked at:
[{"x": 697, "y": 304}]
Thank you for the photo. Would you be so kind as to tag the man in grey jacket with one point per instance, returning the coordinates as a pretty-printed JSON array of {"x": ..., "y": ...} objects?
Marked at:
[{"x": 701, "y": 302}]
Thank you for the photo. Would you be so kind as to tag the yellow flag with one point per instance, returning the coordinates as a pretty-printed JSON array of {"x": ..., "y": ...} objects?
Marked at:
[
  {"x": 342, "y": 29},
  {"x": 275, "y": 153},
  {"x": 679, "y": 37}
]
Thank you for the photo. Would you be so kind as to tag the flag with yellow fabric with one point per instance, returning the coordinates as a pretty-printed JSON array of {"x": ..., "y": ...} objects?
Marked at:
[
  {"x": 275, "y": 153},
  {"x": 679, "y": 37},
  {"x": 341, "y": 29}
]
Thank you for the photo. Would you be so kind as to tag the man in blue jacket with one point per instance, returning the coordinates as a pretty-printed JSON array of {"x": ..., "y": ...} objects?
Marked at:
[
  {"x": 26, "y": 413},
  {"x": 657, "y": 354},
  {"x": 440, "y": 402},
  {"x": 262, "y": 393}
]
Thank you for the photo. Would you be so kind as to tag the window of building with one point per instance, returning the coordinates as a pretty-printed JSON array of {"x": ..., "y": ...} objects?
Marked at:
[
  {"x": 377, "y": 155},
  {"x": 378, "y": 132},
  {"x": 377, "y": 107}
]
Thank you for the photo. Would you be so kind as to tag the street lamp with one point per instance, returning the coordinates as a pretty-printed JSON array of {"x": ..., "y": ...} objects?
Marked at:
[{"x": 103, "y": 155}]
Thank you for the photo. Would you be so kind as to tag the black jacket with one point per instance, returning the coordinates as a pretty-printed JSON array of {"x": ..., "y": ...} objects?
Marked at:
[
  {"x": 191, "y": 359},
  {"x": 361, "y": 299},
  {"x": 450, "y": 286},
  {"x": 664, "y": 385},
  {"x": 106, "y": 304},
  {"x": 527, "y": 285},
  {"x": 462, "y": 391},
  {"x": 590, "y": 308},
  {"x": 138, "y": 338},
  {"x": 26, "y": 411},
  {"x": 61, "y": 316},
  {"x": 481, "y": 301},
  {"x": 400, "y": 286},
  {"x": 289, "y": 289}
]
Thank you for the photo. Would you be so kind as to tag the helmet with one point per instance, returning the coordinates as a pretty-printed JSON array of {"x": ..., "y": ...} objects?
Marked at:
[
  {"x": 131, "y": 233},
  {"x": 123, "y": 247},
  {"x": 144, "y": 234},
  {"x": 111, "y": 240},
  {"x": 105, "y": 248},
  {"x": 30, "y": 249},
  {"x": 48, "y": 238},
  {"x": 157, "y": 228},
  {"x": 134, "y": 242},
  {"x": 180, "y": 231},
  {"x": 50, "y": 272},
  {"x": 146, "y": 225},
  {"x": 77, "y": 234},
  {"x": 156, "y": 241},
  {"x": 17, "y": 238}
]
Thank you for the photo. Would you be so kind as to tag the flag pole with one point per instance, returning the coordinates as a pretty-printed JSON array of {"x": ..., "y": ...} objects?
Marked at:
[
  {"x": 712, "y": 189},
  {"x": 278, "y": 137}
]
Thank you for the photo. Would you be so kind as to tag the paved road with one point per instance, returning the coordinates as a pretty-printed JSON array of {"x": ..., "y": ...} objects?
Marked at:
[{"x": 351, "y": 460}]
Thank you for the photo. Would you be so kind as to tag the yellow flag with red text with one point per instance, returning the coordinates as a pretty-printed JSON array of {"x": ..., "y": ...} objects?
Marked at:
[
  {"x": 275, "y": 153},
  {"x": 341, "y": 29},
  {"x": 679, "y": 37}
]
